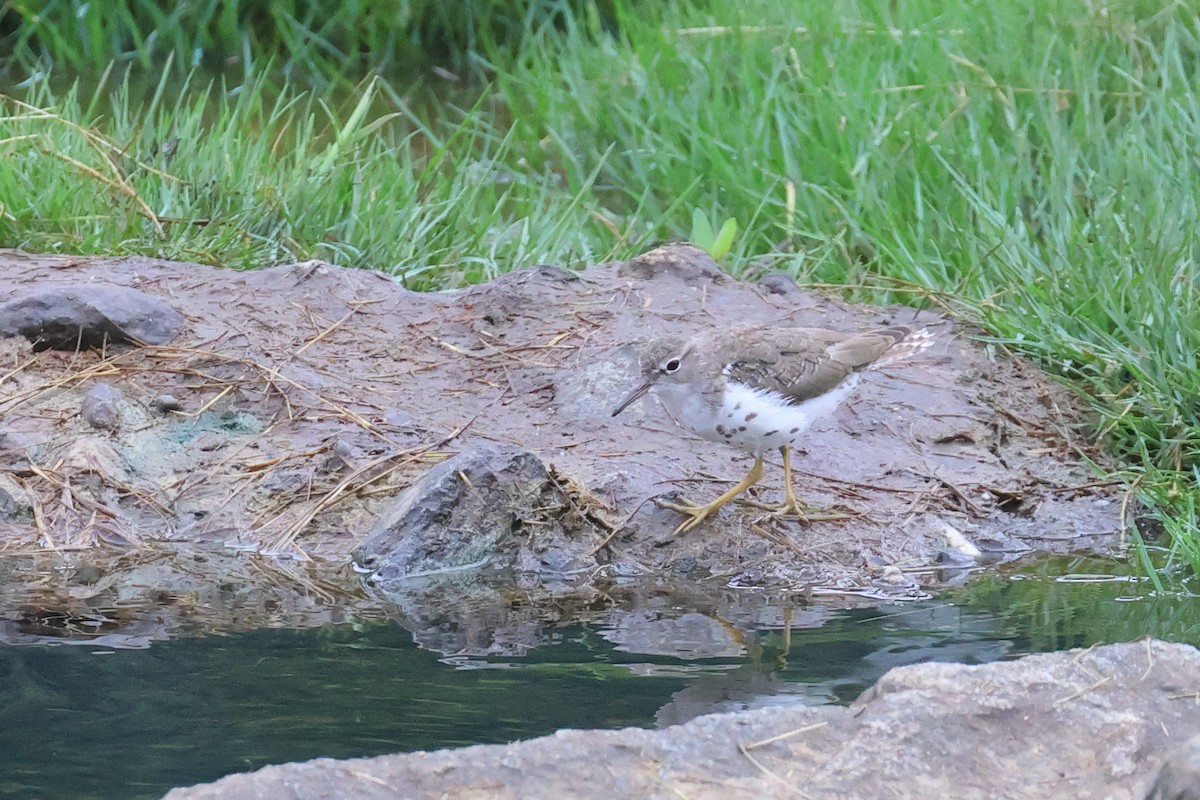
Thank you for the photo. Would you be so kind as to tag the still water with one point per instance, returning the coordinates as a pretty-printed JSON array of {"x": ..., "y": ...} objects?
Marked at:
[{"x": 92, "y": 721}]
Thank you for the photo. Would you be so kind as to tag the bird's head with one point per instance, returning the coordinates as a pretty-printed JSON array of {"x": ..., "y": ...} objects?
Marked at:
[{"x": 667, "y": 360}]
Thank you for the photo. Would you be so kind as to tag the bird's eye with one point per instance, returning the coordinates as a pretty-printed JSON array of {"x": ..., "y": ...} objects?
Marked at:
[{"x": 671, "y": 366}]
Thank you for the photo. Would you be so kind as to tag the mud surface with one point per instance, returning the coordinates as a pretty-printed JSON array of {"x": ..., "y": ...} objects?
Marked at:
[
  {"x": 1094, "y": 723},
  {"x": 236, "y": 468}
]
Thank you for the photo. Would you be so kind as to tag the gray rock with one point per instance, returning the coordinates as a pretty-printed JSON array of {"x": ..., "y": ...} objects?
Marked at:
[
  {"x": 84, "y": 316},
  {"x": 1179, "y": 777},
  {"x": 683, "y": 262},
  {"x": 92, "y": 455},
  {"x": 1073, "y": 724},
  {"x": 101, "y": 407},
  {"x": 14, "y": 502},
  {"x": 554, "y": 273},
  {"x": 495, "y": 506},
  {"x": 165, "y": 403},
  {"x": 345, "y": 452},
  {"x": 208, "y": 441},
  {"x": 398, "y": 417},
  {"x": 779, "y": 283},
  {"x": 19, "y": 446}
]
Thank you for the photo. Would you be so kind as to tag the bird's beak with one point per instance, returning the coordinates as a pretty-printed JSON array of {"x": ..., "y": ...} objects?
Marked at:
[{"x": 634, "y": 395}]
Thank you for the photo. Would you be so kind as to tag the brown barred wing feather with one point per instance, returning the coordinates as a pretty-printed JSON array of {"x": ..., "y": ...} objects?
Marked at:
[{"x": 803, "y": 363}]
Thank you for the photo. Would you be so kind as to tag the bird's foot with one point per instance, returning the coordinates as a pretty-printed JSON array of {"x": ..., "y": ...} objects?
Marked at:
[
  {"x": 794, "y": 507},
  {"x": 808, "y": 514},
  {"x": 793, "y": 504},
  {"x": 696, "y": 513}
]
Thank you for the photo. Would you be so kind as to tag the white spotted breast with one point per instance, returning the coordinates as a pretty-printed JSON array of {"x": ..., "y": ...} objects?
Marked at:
[{"x": 752, "y": 419}]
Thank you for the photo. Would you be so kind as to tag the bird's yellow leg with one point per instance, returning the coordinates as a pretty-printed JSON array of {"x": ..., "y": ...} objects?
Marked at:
[
  {"x": 791, "y": 503},
  {"x": 699, "y": 513}
]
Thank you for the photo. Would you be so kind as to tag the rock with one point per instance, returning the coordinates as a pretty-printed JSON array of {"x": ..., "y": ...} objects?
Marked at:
[
  {"x": 1179, "y": 777},
  {"x": 165, "y": 403},
  {"x": 684, "y": 262},
  {"x": 20, "y": 446},
  {"x": 551, "y": 272},
  {"x": 779, "y": 283},
  {"x": 14, "y": 502},
  {"x": 208, "y": 441},
  {"x": 1085, "y": 723},
  {"x": 83, "y": 316},
  {"x": 101, "y": 407},
  {"x": 345, "y": 452},
  {"x": 92, "y": 455},
  {"x": 959, "y": 544},
  {"x": 495, "y": 506},
  {"x": 893, "y": 577},
  {"x": 398, "y": 417},
  {"x": 86, "y": 574}
]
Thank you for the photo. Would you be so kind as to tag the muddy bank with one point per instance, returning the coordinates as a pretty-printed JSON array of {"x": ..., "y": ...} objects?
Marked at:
[
  {"x": 288, "y": 410},
  {"x": 1094, "y": 723}
]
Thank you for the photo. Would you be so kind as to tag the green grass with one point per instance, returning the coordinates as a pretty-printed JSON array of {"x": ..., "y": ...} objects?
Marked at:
[
  {"x": 1034, "y": 165},
  {"x": 244, "y": 179},
  {"x": 317, "y": 41}
]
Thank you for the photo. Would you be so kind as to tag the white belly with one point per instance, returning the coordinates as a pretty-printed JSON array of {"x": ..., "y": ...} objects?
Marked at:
[{"x": 754, "y": 420}]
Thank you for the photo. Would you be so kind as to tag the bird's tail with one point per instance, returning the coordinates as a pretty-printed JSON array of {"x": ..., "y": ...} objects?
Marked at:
[{"x": 909, "y": 343}]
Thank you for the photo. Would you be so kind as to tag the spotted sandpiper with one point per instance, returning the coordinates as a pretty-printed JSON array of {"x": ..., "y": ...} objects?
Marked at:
[{"x": 760, "y": 388}]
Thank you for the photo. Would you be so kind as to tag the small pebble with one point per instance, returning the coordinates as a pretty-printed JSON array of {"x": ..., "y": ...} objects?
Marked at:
[
  {"x": 101, "y": 407},
  {"x": 683, "y": 566},
  {"x": 87, "y": 574},
  {"x": 166, "y": 402},
  {"x": 398, "y": 417},
  {"x": 208, "y": 441},
  {"x": 953, "y": 558},
  {"x": 778, "y": 283},
  {"x": 8, "y": 505},
  {"x": 345, "y": 452}
]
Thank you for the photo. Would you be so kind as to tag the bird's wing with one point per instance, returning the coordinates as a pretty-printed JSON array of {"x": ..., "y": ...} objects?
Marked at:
[{"x": 802, "y": 363}]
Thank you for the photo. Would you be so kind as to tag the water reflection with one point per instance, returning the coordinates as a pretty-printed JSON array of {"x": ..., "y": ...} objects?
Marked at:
[{"x": 202, "y": 699}]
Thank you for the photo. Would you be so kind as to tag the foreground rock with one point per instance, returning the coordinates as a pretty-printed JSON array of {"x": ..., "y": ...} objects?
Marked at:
[
  {"x": 87, "y": 315},
  {"x": 492, "y": 508},
  {"x": 1093, "y": 723},
  {"x": 1179, "y": 777}
]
